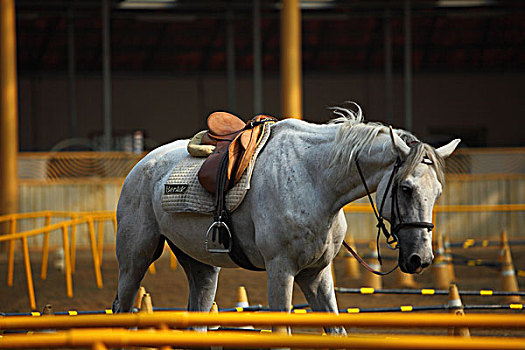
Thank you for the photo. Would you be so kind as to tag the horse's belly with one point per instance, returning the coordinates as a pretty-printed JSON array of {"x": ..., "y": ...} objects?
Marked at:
[{"x": 188, "y": 233}]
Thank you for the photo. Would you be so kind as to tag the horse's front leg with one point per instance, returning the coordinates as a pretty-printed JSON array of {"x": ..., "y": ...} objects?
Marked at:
[
  {"x": 280, "y": 286},
  {"x": 318, "y": 288}
]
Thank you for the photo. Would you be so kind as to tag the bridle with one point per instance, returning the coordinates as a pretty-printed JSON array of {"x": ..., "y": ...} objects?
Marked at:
[{"x": 392, "y": 238}]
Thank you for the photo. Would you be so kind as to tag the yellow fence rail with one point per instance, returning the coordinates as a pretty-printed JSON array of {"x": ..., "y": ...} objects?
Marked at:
[
  {"x": 73, "y": 220},
  {"x": 116, "y": 338},
  {"x": 184, "y": 319},
  {"x": 102, "y": 337}
]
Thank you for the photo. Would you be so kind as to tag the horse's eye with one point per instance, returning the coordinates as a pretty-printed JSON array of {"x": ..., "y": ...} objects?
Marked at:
[{"x": 406, "y": 189}]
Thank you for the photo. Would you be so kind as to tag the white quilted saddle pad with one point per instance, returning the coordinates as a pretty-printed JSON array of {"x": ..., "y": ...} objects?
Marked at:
[{"x": 184, "y": 194}]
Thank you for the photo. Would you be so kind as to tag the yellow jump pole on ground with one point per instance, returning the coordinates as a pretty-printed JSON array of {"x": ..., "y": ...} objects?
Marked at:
[
  {"x": 94, "y": 253},
  {"x": 45, "y": 248},
  {"x": 29, "y": 275},
  {"x": 8, "y": 110},
  {"x": 291, "y": 74},
  {"x": 11, "y": 253},
  {"x": 67, "y": 260}
]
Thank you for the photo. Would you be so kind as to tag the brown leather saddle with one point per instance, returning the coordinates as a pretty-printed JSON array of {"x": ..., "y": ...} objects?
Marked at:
[
  {"x": 235, "y": 142},
  {"x": 233, "y": 139}
]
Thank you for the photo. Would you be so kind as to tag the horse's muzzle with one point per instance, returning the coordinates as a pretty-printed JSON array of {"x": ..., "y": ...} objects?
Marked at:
[{"x": 415, "y": 264}]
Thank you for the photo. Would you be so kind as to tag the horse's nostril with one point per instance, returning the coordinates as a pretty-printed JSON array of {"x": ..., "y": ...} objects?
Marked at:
[{"x": 415, "y": 261}]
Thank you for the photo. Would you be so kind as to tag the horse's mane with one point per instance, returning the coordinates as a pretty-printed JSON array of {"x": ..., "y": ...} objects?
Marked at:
[{"x": 355, "y": 135}]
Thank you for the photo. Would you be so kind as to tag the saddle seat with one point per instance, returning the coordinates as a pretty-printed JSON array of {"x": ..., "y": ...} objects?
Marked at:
[{"x": 232, "y": 138}]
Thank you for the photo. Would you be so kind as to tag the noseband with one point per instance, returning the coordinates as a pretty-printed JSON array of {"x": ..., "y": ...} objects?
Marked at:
[{"x": 392, "y": 238}]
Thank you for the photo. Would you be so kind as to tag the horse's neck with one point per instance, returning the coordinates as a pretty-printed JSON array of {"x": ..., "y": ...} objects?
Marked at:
[{"x": 373, "y": 161}]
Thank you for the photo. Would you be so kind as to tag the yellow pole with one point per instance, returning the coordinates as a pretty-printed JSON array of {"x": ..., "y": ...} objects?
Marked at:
[
  {"x": 117, "y": 338},
  {"x": 67, "y": 261},
  {"x": 8, "y": 111},
  {"x": 29, "y": 275},
  {"x": 188, "y": 319},
  {"x": 73, "y": 243},
  {"x": 94, "y": 252},
  {"x": 291, "y": 75},
  {"x": 100, "y": 240},
  {"x": 45, "y": 248}
]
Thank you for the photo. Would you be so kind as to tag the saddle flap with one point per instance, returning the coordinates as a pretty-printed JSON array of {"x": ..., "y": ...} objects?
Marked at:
[{"x": 224, "y": 123}]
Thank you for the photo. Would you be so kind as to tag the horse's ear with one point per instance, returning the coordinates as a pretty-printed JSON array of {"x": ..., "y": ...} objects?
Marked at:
[
  {"x": 400, "y": 146},
  {"x": 446, "y": 151}
]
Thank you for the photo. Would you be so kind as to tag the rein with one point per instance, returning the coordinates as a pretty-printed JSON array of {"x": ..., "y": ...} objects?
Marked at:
[{"x": 392, "y": 237}]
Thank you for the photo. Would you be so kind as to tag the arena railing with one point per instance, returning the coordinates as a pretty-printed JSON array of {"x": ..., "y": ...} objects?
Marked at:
[
  {"x": 73, "y": 220},
  {"x": 97, "y": 334}
]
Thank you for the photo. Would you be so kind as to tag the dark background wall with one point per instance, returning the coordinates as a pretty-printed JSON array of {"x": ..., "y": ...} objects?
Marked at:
[{"x": 485, "y": 109}]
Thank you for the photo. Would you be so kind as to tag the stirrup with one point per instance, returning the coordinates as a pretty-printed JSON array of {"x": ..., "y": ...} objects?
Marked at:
[{"x": 213, "y": 245}]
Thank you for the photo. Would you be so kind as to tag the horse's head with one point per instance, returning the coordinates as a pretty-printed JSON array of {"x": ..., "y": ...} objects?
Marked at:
[{"x": 409, "y": 200}]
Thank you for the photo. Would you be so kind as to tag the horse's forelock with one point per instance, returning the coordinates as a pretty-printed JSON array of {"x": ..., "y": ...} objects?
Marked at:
[{"x": 418, "y": 152}]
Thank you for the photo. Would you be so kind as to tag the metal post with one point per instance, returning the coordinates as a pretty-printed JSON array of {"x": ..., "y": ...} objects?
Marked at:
[
  {"x": 291, "y": 79},
  {"x": 71, "y": 65},
  {"x": 8, "y": 110},
  {"x": 388, "y": 66},
  {"x": 106, "y": 74},
  {"x": 257, "y": 60},
  {"x": 408, "y": 67},
  {"x": 230, "y": 61}
]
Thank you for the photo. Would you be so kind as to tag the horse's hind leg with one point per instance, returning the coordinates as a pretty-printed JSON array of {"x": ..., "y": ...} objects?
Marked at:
[
  {"x": 318, "y": 289},
  {"x": 138, "y": 245},
  {"x": 202, "y": 280}
]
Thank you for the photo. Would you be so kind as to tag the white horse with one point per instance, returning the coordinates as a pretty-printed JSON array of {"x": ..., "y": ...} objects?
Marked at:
[{"x": 291, "y": 221}]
